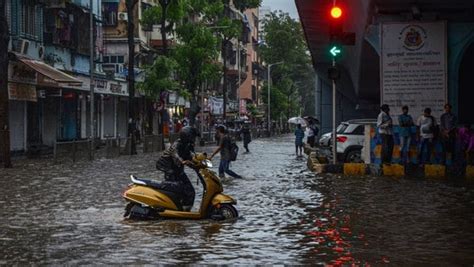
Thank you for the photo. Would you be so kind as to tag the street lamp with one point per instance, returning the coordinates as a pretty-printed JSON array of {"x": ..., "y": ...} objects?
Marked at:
[{"x": 269, "y": 86}]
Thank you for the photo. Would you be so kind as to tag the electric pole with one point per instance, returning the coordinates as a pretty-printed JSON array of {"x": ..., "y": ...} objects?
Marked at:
[
  {"x": 131, "y": 75},
  {"x": 4, "y": 120}
]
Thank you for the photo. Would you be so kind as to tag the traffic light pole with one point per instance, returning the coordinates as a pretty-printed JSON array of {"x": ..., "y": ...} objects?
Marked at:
[{"x": 334, "y": 137}]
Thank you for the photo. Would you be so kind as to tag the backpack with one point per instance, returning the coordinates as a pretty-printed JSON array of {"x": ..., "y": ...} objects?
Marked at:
[{"x": 234, "y": 150}]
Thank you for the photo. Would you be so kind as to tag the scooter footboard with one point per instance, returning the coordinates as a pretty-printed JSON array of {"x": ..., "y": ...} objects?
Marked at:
[{"x": 223, "y": 199}]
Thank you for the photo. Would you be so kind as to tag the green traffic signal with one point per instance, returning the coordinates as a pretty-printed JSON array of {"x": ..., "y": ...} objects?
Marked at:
[{"x": 335, "y": 51}]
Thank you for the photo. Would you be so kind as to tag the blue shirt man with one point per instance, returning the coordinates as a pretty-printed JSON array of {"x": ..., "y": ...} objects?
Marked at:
[
  {"x": 299, "y": 135},
  {"x": 405, "y": 122}
]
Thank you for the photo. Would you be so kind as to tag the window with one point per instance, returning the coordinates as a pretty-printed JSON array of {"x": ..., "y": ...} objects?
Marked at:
[
  {"x": 360, "y": 130},
  {"x": 109, "y": 12},
  {"x": 341, "y": 128},
  {"x": 8, "y": 15},
  {"x": 28, "y": 18}
]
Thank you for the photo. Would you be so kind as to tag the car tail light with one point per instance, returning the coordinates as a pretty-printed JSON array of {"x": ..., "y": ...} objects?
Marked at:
[{"x": 341, "y": 139}]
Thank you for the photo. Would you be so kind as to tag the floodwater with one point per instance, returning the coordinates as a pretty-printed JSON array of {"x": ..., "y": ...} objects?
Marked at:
[{"x": 72, "y": 214}]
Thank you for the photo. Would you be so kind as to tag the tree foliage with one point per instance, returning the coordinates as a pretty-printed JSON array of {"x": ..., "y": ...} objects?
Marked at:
[
  {"x": 294, "y": 79},
  {"x": 202, "y": 30},
  {"x": 159, "y": 77},
  {"x": 196, "y": 55},
  {"x": 242, "y": 5}
]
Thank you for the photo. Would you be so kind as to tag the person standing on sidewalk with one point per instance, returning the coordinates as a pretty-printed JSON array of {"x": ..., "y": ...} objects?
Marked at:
[
  {"x": 299, "y": 135},
  {"x": 385, "y": 125},
  {"x": 225, "y": 143},
  {"x": 426, "y": 127},
  {"x": 448, "y": 132},
  {"x": 406, "y": 122}
]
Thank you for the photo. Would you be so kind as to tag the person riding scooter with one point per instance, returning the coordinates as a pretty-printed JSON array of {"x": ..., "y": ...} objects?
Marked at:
[{"x": 172, "y": 163}]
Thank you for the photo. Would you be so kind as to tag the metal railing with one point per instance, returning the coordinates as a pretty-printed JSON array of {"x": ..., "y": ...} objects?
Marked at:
[{"x": 72, "y": 149}]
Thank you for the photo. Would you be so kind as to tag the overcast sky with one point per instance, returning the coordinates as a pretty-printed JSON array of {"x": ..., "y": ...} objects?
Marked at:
[{"x": 284, "y": 5}]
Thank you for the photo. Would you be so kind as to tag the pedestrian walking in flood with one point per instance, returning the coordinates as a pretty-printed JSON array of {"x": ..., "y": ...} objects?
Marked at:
[
  {"x": 426, "y": 130},
  {"x": 313, "y": 132},
  {"x": 299, "y": 135},
  {"x": 448, "y": 133},
  {"x": 405, "y": 122},
  {"x": 385, "y": 127},
  {"x": 246, "y": 136},
  {"x": 226, "y": 150}
]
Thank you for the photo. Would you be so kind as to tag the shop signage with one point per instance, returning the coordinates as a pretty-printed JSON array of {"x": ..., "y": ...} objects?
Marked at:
[
  {"x": 216, "y": 105},
  {"x": 102, "y": 86},
  {"x": 172, "y": 98},
  {"x": 22, "y": 92},
  {"x": 413, "y": 66}
]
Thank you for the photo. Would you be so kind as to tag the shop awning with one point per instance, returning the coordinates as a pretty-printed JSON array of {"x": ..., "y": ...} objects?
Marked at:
[{"x": 49, "y": 72}]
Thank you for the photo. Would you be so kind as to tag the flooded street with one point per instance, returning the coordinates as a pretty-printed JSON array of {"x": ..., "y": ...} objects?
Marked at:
[{"x": 60, "y": 214}]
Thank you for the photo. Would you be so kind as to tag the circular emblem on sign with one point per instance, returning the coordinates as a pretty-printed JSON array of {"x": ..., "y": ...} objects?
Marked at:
[{"x": 413, "y": 37}]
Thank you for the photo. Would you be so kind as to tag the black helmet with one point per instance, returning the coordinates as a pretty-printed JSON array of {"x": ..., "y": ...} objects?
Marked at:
[{"x": 188, "y": 134}]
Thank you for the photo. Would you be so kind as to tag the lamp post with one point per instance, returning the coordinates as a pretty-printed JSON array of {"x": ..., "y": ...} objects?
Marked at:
[
  {"x": 91, "y": 74},
  {"x": 269, "y": 122}
]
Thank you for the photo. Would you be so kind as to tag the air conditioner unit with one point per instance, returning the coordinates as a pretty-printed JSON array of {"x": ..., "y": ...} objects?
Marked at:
[
  {"x": 24, "y": 44},
  {"x": 108, "y": 68},
  {"x": 122, "y": 16},
  {"x": 120, "y": 68}
]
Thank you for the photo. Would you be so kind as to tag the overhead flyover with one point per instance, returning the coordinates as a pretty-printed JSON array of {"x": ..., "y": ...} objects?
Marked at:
[{"x": 360, "y": 64}]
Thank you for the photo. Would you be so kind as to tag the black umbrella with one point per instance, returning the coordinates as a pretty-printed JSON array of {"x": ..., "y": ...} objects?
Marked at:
[{"x": 311, "y": 119}]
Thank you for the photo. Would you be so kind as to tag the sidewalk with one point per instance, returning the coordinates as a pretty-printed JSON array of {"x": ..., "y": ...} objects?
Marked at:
[{"x": 318, "y": 162}]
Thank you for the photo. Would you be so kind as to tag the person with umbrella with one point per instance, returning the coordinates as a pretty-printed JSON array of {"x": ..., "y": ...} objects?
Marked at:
[{"x": 299, "y": 135}]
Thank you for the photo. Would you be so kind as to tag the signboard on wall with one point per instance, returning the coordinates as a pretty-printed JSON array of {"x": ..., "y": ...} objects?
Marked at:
[
  {"x": 216, "y": 105},
  {"x": 22, "y": 92},
  {"x": 413, "y": 67}
]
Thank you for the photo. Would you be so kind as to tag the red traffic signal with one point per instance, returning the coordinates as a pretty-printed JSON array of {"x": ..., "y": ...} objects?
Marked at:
[{"x": 336, "y": 12}]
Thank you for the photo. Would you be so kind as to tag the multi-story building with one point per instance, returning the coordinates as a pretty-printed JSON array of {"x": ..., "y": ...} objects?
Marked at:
[
  {"x": 248, "y": 92},
  {"x": 49, "y": 84}
]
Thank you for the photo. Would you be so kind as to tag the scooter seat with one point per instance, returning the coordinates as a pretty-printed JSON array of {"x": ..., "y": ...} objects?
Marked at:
[
  {"x": 150, "y": 183},
  {"x": 159, "y": 186}
]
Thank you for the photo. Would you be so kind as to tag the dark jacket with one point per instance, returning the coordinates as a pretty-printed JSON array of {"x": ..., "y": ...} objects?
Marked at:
[{"x": 170, "y": 160}]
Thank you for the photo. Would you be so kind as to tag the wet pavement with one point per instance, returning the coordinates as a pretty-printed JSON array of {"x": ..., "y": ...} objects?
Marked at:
[{"x": 72, "y": 214}]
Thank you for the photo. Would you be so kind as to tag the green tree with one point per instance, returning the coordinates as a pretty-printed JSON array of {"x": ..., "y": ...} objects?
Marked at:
[
  {"x": 242, "y": 5},
  {"x": 284, "y": 41},
  {"x": 166, "y": 14},
  {"x": 159, "y": 76},
  {"x": 197, "y": 56}
]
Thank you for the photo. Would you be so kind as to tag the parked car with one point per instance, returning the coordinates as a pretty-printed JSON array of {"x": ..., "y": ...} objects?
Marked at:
[{"x": 350, "y": 139}]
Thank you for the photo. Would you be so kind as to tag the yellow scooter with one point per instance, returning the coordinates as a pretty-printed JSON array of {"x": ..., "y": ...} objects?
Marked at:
[{"x": 147, "y": 201}]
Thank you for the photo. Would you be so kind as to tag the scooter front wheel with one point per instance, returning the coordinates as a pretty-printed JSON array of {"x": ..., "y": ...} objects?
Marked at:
[{"x": 225, "y": 212}]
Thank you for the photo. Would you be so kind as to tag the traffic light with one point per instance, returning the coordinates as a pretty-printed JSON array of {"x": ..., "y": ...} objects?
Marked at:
[
  {"x": 335, "y": 24},
  {"x": 337, "y": 36},
  {"x": 336, "y": 12}
]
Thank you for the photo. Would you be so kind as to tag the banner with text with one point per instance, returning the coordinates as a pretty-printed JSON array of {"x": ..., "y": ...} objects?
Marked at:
[{"x": 413, "y": 67}]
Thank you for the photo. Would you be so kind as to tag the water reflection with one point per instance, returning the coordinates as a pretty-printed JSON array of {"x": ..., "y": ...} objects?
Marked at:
[{"x": 59, "y": 214}]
